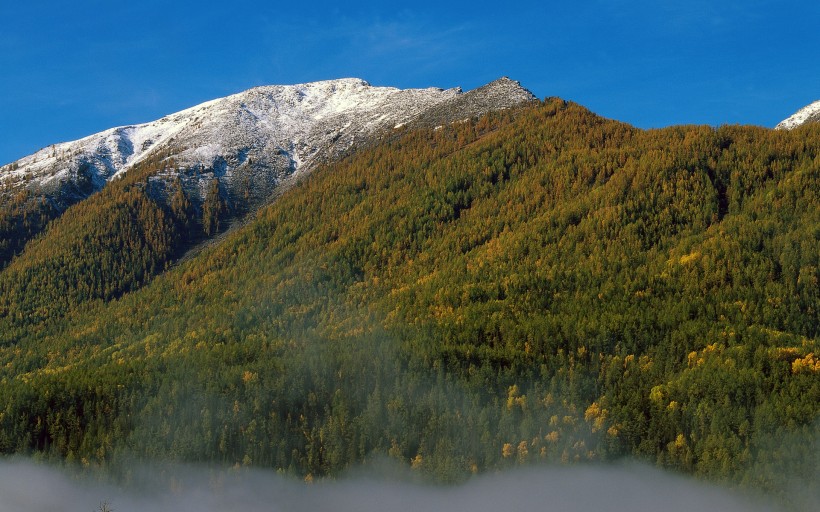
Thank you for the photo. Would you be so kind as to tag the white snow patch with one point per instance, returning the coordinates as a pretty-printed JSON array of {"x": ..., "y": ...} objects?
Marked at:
[
  {"x": 800, "y": 117},
  {"x": 295, "y": 125}
]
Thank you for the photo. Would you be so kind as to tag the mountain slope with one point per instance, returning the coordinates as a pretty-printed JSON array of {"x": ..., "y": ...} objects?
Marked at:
[
  {"x": 808, "y": 114},
  {"x": 248, "y": 143},
  {"x": 183, "y": 178},
  {"x": 281, "y": 129},
  {"x": 540, "y": 284}
]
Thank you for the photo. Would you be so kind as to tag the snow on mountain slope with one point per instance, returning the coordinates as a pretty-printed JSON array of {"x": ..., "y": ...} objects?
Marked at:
[
  {"x": 807, "y": 114},
  {"x": 259, "y": 136},
  {"x": 502, "y": 92}
]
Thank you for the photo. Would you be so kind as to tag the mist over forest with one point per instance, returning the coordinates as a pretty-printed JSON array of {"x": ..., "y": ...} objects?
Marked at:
[{"x": 383, "y": 486}]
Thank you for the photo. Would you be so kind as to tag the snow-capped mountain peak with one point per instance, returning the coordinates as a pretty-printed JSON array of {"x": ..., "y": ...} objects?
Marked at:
[
  {"x": 807, "y": 114},
  {"x": 259, "y": 136}
]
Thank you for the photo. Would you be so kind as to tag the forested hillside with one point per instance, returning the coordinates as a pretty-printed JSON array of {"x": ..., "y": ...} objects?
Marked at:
[{"x": 541, "y": 284}]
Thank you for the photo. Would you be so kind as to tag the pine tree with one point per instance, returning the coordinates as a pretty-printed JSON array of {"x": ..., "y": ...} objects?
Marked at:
[
  {"x": 180, "y": 206},
  {"x": 212, "y": 209}
]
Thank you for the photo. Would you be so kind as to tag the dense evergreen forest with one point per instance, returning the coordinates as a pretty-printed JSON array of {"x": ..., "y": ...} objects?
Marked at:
[{"x": 540, "y": 284}]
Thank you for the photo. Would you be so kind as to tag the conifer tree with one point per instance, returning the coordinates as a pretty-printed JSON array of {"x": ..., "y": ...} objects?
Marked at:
[{"x": 212, "y": 209}]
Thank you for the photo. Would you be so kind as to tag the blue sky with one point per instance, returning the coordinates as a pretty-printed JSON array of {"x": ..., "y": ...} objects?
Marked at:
[{"x": 70, "y": 69}]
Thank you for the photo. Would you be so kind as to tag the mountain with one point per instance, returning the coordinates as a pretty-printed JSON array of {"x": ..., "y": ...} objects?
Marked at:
[
  {"x": 243, "y": 146},
  {"x": 257, "y": 137},
  {"x": 537, "y": 284},
  {"x": 807, "y": 114}
]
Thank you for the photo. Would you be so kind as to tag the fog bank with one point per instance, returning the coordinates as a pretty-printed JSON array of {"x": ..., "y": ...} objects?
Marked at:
[{"x": 26, "y": 486}]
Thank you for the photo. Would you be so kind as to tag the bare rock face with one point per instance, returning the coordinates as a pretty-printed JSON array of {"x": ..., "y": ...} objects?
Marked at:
[
  {"x": 249, "y": 141},
  {"x": 807, "y": 114}
]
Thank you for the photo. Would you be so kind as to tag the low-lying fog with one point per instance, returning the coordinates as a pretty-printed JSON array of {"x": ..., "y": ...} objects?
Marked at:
[{"x": 26, "y": 486}]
